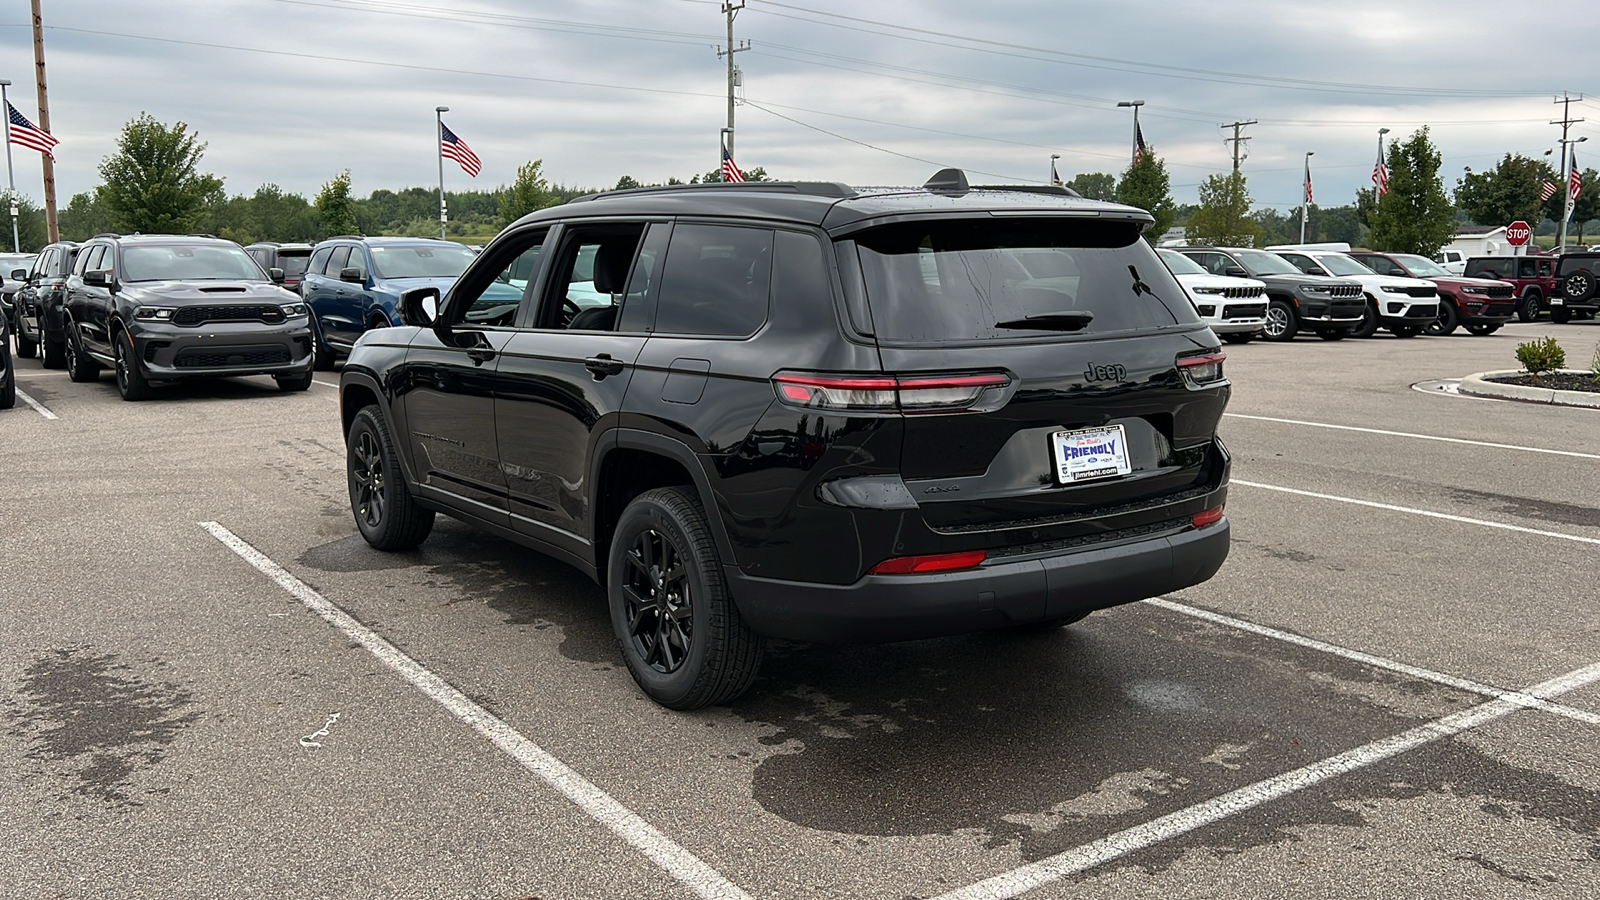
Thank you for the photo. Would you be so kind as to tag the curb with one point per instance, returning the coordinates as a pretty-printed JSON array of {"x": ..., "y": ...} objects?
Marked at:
[{"x": 1478, "y": 385}]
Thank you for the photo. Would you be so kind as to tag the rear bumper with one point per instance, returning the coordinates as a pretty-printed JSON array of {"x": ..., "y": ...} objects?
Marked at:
[{"x": 905, "y": 607}]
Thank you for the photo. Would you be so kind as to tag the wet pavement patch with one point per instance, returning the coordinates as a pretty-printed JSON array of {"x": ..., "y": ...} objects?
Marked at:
[
  {"x": 1529, "y": 508},
  {"x": 1047, "y": 741},
  {"x": 91, "y": 719}
]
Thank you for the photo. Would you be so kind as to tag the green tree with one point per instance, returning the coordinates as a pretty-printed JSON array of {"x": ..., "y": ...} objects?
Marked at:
[
  {"x": 1145, "y": 184},
  {"x": 1506, "y": 193},
  {"x": 528, "y": 193},
  {"x": 335, "y": 207},
  {"x": 31, "y": 232},
  {"x": 626, "y": 182},
  {"x": 1223, "y": 216},
  {"x": 84, "y": 217},
  {"x": 1414, "y": 216},
  {"x": 152, "y": 183},
  {"x": 1095, "y": 185}
]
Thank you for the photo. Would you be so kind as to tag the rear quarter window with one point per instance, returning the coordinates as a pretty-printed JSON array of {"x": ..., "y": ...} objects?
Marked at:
[
  {"x": 963, "y": 281},
  {"x": 1492, "y": 268},
  {"x": 716, "y": 281}
]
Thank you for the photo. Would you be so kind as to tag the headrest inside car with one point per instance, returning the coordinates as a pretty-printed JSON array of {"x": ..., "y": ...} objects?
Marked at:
[{"x": 611, "y": 262}]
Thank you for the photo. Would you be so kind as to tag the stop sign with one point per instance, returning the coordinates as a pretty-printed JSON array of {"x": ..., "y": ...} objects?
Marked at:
[{"x": 1517, "y": 233}]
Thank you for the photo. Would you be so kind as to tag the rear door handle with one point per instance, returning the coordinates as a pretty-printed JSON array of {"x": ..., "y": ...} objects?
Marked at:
[
  {"x": 603, "y": 365},
  {"x": 480, "y": 354}
]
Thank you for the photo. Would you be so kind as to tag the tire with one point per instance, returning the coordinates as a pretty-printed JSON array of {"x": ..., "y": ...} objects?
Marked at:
[
  {"x": 27, "y": 347},
  {"x": 80, "y": 367},
  {"x": 292, "y": 383},
  {"x": 8, "y": 376},
  {"x": 1333, "y": 334},
  {"x": 1482, "y": 330},
  {"x": 716, "y": 658},
  {"x": 1446, "y": 322},
  {"x": 131, "y": 383},
  {"x": 1281, "y": 324},
  {"x": 386, "y": 514},
  {"x": 1528, "y": 308},
  {"x": 1560, "y": 315},
  {"x": 321, "y": 354},
  {"x": 1241, "y": 337},
  {"x": 1405, "y": 331},
  {"x": 54, "y": 354},
  {"x": 1369, "y": 321}
]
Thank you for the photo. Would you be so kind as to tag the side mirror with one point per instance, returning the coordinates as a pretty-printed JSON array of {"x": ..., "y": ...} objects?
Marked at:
[
  {"x": 1235, "y": 272},
  {"x": 1317, "y": 270},
  {"x": 420, "y": 307},
  {"x": 99, "y": 278},
  {"x": 276, "y": 274},
  {"x": 19, "y": 274},
  {"x": 352, "y": 275}
]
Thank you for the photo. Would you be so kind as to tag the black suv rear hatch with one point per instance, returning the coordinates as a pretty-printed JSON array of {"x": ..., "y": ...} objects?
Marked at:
[{"x": 1088, "y": 328}]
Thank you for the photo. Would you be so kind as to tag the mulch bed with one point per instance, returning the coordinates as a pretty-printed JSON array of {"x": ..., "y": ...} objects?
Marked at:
[{"x": 1560, "y": 381}]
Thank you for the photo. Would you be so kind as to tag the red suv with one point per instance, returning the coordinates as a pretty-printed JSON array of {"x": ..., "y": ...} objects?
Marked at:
[
  {"x": 1481, "y": 304},
  {"x": 1532, "y": 277}
]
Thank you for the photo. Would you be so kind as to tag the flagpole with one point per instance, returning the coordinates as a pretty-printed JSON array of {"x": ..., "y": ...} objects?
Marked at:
[
  {"x": 438, "y": 147},
  {"x": 11, "y": 174}
]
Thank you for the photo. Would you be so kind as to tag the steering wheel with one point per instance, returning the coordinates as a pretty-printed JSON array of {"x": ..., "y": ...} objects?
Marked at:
[{"x": 568, "y": 311}]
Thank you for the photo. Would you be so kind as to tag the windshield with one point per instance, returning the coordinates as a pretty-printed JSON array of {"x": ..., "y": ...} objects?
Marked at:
[
  {"x": 189, "y": 262},
  {"x": 1339, "y": 264},
  {"x": 421, "y": 261},
  {"x": 1180, "y": 264},
  {"x": 1420, "y": 266},
  {"x": 974, "y": 281},
  {"x": 1260, "y": 262}
]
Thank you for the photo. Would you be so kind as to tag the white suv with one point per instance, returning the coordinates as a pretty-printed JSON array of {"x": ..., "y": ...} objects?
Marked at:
[
  {"x": 1405, "y": 306},
  {"x": 1235, "y": 308}
]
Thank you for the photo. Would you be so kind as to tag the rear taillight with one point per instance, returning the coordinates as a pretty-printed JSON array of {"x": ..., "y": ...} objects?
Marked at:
[
  {"x": 977, "y": 392},
  {"x": 918, "y": 565},
  {"x": 1202, "y": 369},
  {"x": 1210, "y": 517}
]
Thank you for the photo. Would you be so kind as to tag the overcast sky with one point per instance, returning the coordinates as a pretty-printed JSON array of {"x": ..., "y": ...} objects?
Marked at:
[{"x": 294, "y": 91}]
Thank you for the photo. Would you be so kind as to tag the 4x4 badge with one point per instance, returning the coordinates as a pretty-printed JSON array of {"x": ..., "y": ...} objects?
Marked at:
[{"x": 1105, "y": 373}]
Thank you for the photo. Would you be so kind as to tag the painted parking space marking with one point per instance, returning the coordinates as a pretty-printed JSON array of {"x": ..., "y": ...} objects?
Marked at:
[
  {"x": 1377, "y": 662},
  {"x": 672, "y": 858},
  {"x": 1139, "y": 837},
  {"x": 325, "y": 383},
  {"x": 1419, "y": 512},
  {"x": 1420, "y": 437},
  {"x": 38, "y": 407}
]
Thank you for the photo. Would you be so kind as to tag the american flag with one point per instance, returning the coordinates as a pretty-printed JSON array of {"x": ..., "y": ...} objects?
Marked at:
[
  {"x": 1547, "y": 190},
  {"x": 1574, "y": 180},
  {"x": 1055, "y": 179},
  {"x": 455, "y": 148},
  {"x": 730, "y": 169},
  {"x": 23, "y": 132},
  {"x": 1309, "y": 200},
  {"x": 1380, "y": 177},
  {"x": 1138, "y": 143}
]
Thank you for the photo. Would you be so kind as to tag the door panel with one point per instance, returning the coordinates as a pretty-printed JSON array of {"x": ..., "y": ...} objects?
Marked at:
[{"x": 448, "y": 394}]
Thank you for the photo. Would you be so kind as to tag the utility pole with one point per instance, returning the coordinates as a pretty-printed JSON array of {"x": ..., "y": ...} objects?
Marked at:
[
  {"x": 51, "y": 228},
  {"x": 1237, "y": 141},
  {"x": 730, "y": 9},
  {"x": 1135, "y": 104},
  {"x": 1566, "y": 121},
  {"x": 11, "y": 175}
]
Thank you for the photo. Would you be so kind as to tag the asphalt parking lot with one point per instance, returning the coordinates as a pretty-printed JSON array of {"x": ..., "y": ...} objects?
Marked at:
[{"x": 213, "y": 687}]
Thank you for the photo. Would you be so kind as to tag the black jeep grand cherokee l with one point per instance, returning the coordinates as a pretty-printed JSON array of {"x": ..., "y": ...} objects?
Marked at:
[
  {"x": 810, "y": 412},
  {"x": 160, "y": 308}
]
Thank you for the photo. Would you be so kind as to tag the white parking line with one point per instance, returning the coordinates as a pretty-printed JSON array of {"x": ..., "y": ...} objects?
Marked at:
[
  {"x": 1139, "y": 837},
  {"x": 37, "y": 406},
  {"x": 1419, "y": 512},
  {"x": 1420, "y": 437},
  {"x": 675, "y": 860},
  {"x": 325, "y": 384},
  {"x": 1377, "y": 662}
]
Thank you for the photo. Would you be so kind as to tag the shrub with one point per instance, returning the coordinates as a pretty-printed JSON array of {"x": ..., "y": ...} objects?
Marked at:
[
  {"x": 1594, "y": 363},
  {"x": 1541, "y": 356}
]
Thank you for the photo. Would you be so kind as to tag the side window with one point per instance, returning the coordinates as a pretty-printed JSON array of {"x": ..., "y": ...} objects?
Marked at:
[
  {"x": 357, "y": 260},
  {"x": 319, "y": 261},
  {"x": 587, "y": 288},
  {"x": 495, "y": 304},
  {"x": 1214, "y": 263},
  {"x": 41, "y": 265},
  {"x": 1303, "y": 263},
  {"x": 716, "y": 281},
  {"x": 339, "y": 259},
  {"x": 89, "y": 259}
]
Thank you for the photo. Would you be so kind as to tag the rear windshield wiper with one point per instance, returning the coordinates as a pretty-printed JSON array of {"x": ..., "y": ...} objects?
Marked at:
[{"x": 1066, "y": 320}]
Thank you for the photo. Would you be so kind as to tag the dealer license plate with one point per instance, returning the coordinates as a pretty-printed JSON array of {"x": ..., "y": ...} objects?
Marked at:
[{"x": 1090, "y": 453}]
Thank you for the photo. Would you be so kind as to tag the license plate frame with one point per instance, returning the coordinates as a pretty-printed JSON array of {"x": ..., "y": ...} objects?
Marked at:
[{"x": 1089, "y": 454}]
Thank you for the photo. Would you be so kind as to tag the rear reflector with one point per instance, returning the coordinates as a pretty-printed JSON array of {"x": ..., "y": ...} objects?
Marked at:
[
  {"x": 1210, "y": 517},
  {"x": 916, "y": 565}
]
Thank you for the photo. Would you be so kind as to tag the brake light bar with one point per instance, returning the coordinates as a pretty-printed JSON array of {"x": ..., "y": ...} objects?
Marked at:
[
  {"x": 1202, "y": 369},
  {"x": 893, "y": 393},
  {"x": 939, "y": 562}
]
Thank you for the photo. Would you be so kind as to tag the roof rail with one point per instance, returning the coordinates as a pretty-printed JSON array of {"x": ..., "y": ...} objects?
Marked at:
[
  {"x": 830, "y": 189},
  {"x": 200, "y": 234},
  {"x": 107, "y": 234},
  {"x": 1057, "y": 190},
  {"x": 344, "y": 237}
]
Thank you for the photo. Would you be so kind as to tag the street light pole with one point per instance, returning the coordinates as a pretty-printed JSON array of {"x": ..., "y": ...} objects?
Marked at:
[
  {"x": 11, "y": 174},
  {"x": 1381, "y": 133},
  {"x": 1566, "y": 188},
  {"x": 1135, "y": 104},
  {"x": 438, "y": 147},
  {"x": 1305, "y": 201}
]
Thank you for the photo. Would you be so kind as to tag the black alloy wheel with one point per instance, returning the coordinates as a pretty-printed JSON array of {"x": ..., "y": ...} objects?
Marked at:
[
  {"x": 1528, "y": 309},
  {"x": 8, "y": 376},
  {"x": 1369, "y": 321},
  {"x": 131, "y": 383},
  {"x": 26, "y": 347},
  {"x": 1280, "y": 324},
  {"x": 385, "y": 512},
  {"x": 80, "y": 367},
  {"x": 680, "y": 632},
  {"x": 321, "y": 354},
  {"x": 1446, "y": 321}
]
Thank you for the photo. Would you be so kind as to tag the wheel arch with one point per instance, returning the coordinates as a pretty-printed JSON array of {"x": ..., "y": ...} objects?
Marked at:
[{"x": 638, "y": 461}]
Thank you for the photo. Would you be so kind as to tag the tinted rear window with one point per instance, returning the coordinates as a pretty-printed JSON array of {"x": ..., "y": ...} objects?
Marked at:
[
  {"x": 293, "y": 263},
  {"x": 957, "y": 281},
  {"x": 1493, "y": 268}
]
